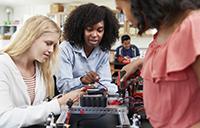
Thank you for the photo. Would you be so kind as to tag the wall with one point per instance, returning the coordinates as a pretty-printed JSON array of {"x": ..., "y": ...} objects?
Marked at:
[
  {"x": 2, "y": 17},
  {"x": 24, "y": 12},
  {"x": 21, "y": 13}
]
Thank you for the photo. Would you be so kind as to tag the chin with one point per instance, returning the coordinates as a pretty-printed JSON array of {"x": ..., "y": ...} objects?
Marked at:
[
  {"x": 95, "y": 45},
  {"x": 42, "y": 60}
]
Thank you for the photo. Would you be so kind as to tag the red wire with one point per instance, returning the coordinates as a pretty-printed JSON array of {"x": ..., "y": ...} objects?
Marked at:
[{"x": 68, "y": 117}]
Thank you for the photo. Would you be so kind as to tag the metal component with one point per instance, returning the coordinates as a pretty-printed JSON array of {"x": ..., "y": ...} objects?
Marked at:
[
  {"x": 136, "y": 121},
  {"x": 124, "y": 121},
  {"x": 50, "y": 121},
  {"x": 121, "y": 111}
]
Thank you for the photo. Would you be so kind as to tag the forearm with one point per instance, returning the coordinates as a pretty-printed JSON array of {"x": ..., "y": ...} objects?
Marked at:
[
  {"x": 132, "y": 67},
  {"x": 27, "y": 115}
]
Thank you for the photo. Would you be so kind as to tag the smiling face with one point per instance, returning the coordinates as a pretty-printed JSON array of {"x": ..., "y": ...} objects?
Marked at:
[
  {"x": 93, "y": 35},
  {"x": 44, "y": 46},
  {"x": 125, "y": 7}
]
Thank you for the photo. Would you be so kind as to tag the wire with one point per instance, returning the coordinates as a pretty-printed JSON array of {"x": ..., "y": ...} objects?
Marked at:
[
  {"x": 68, "y": 117},
  {"x": 102, "y": 85}
]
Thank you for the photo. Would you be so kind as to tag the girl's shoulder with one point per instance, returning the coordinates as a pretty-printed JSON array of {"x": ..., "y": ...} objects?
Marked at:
[{"x": 193, "y": 17}]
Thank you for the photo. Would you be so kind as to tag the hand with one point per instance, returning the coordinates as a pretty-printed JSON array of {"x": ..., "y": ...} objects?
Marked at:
[
  {"x": 90, "y": 77},
  {"x": 126, "y": 61},
  {"x": 126, "y": 57},
  {"x": 120, "y": 59},
  {"x": 132, "y": 67},
  {"x": 74, "y": 95}
]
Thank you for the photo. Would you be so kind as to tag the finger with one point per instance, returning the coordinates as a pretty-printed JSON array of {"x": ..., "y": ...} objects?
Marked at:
[
  {"x": 94, "y": 76},
  {"x": 85, "y": 79},
  {"x": 82, "y": 93},
  {"x": 88, "y": 79},
  {"x": 97, "y": 78},
  {"x": 91, "y": 78}
]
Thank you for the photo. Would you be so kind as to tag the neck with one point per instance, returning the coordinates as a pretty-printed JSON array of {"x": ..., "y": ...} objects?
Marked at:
[
  {"x": 23, "y": 61},
  {"x": 25, "y": 65},
  {"x": 88, "y": 50}
]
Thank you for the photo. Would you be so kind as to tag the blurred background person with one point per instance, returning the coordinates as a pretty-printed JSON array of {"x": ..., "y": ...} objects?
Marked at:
[{"x": 126, "y": 51}]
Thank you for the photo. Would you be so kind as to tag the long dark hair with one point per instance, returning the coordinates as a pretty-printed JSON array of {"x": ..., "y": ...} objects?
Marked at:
[
  {"x": 153, "y": 13},
  {"x": 87, "y": 15}
]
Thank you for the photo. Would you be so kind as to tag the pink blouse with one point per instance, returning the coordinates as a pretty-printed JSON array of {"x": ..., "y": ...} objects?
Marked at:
[{"x": 171, "y": 88}]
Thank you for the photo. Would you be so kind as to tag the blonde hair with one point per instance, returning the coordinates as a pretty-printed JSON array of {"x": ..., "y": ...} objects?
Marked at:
[{"x": 33, "y": 28}]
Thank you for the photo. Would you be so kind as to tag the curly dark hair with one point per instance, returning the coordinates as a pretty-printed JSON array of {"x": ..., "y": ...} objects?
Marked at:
[
  {"x": 151, "y": 13},
  {"x": 87, "y": 15}
]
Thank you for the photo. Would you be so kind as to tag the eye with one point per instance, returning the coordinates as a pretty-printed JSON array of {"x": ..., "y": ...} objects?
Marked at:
[
  {"x": 55, "y": 45},
  {"x": 48, "y": 43},
  {"x": 89, "y": 29},
  {"x": 100, "y": 30}
]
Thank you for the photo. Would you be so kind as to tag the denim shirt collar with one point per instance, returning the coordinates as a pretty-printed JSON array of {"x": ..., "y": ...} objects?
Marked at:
[{"x": 94, "y": 53}]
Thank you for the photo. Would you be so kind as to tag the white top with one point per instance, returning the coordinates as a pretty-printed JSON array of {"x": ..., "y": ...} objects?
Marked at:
[{"x": 15, "y": 104}]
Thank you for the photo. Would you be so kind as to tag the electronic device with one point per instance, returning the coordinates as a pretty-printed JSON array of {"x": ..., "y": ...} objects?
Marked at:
[
  {"x": 94, "y": 112},
  {"x": 95, "y": 117},
  {"x": 94, "y": 98}
]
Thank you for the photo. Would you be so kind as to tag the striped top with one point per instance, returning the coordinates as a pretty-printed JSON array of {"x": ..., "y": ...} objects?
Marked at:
[{"x": 30, "y": 82}]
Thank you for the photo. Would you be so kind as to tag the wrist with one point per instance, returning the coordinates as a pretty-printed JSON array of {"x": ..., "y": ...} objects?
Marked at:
[{"x": 62, "y": 100}]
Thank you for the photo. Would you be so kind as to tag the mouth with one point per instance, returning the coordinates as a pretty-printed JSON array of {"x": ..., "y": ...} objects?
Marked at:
[
  {"x": 46, "y": 55},
  {"x": 93, "y": 41}
]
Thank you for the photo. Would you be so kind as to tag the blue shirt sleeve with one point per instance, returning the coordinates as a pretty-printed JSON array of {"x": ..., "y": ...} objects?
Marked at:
[
  {"x": 105, "y": 74},
  {"x": 65, "y": 80}
]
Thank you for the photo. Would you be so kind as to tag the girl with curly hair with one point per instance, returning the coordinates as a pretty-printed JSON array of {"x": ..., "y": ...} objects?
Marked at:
[{"x": 89, "y": 32}]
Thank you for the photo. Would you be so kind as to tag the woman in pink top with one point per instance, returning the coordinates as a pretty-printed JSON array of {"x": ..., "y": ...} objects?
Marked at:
[{"x": 171, "y": 68}]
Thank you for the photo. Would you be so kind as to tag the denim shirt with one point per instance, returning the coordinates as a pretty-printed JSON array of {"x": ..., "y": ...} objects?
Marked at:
[{"x": 74, "y": 64}]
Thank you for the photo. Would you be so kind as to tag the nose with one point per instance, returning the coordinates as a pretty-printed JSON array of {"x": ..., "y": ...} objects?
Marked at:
[
  {"x": 51, "y": 48},
  {"x": 94, "y": 33}
]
